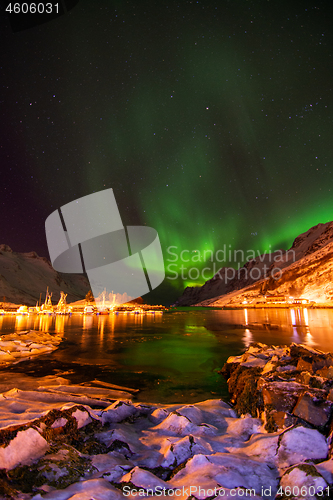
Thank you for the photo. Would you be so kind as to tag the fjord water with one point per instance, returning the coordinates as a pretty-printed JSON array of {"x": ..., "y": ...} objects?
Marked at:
[{"x": 170, "y": 357}]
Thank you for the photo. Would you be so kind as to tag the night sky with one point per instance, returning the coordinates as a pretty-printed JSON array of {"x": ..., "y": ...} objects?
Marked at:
[{"x": 211, "y": 121}]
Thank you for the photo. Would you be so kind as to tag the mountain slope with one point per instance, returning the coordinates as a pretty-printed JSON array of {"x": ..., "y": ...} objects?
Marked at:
[
  {"x": 23, "y": 276},
  {"x": 306, "y": 270}
]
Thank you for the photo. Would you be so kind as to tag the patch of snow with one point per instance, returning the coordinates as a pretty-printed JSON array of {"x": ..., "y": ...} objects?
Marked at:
[
  {"x": 214, "y": 447},
  {"x": 82, "y": 417},
  {"x": 326, "y": 469},
  {"x": 226, "y": 470},
  {"x": 244, "y": 427},
  {"x": 60, "y": 422},
  {"x": 298, "y": 478},
  {"x": 286, "y": 368},
  {"x": 98, "y": 489},
  {"x": 26, "y": 446},
  {"x": 252, "y": 362},
  {"x": 158, "y": 415},
  {"x": 143, "y": 479},
  {"x": 176, "y": 452},
  {"x": 297, "y": 445},
  {"x": 118, "y": 411},
  {"x": 260, "y": 446},
  {"x": 182, "y": 426}
]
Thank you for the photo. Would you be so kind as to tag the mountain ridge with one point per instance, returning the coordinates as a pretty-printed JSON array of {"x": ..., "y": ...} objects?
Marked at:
[
  {"x": 24, "y": 276},
  {"x": 305, "y": 269}
]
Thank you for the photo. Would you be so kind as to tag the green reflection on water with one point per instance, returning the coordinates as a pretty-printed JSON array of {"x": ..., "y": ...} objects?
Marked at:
[{"x": 173, "y": 357}]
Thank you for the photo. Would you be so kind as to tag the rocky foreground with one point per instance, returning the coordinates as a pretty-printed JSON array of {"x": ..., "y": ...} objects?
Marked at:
[
  {"x": 285, "y": 385},
  {"x": 276, "y": 442}
]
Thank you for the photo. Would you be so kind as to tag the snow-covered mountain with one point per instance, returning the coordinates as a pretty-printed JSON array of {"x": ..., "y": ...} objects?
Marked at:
[
  {"x": 23, "y": 276},
  {"x": 305, "y": 270}
]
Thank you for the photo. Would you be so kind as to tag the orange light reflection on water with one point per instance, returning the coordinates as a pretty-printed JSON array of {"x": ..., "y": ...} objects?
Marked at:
[{"x": 248, "y": 337}]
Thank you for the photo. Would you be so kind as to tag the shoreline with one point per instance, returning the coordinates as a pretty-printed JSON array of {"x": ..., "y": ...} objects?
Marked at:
[
  {"x": 277, "y": 306},
  {"x": 64, "y": 440},
  {"x": 252, "y": 306}
]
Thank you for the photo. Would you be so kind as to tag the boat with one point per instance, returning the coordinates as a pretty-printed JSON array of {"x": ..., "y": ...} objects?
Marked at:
[
  {"x": 47, "y": 307},
  {"x": 23, "y": 310},
  {"x": 89, "y": 309},
  {"x": 138, "y": 310},
  {"x": 102, "y": 307},
  {"x": 62, "y": 307}
]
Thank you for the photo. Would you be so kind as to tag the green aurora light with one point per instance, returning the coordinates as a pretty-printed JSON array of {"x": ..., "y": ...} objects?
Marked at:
[{"x": 210, "y": 120}]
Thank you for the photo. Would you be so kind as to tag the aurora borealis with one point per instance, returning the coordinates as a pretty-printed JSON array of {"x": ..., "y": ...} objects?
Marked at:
[{"x": 210, "y": 120}]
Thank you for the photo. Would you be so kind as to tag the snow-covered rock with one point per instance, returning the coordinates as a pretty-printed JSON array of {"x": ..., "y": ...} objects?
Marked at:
[
  {"x": 143, "y": 479},
  {"x": 244, "y": 427},
  {"x": 175, "y": 423},
  {"x": 123, "y": 449},
  {"x": 201, "y": 448},
  {"x": 260, "y": 446},
  {"x": 326, "y": 470},
  {"x": 300, "y": 444},
  {"x": 225, "y": 470},
  {"x": 82, "y": 417},
  {"x": 26, "y": 446},
  {"x": 303, "y": 481},
  {"x": 118, "y": 411},
  {"x": 178, "y": 451},
  {"x": 99, "y": 489}
]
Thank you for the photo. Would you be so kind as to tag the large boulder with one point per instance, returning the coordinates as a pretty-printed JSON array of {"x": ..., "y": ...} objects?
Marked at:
[
  {"x": 282, "y": 396},
  {"x": 300, "y": 444},
  {"x": 303, "y": 481},
  {"x": 26, "y": 446},
  {"x": 316, "y": 411}
]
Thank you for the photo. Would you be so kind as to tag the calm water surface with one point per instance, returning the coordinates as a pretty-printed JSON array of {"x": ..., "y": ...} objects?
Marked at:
[{"x": 170, "y": 357}]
